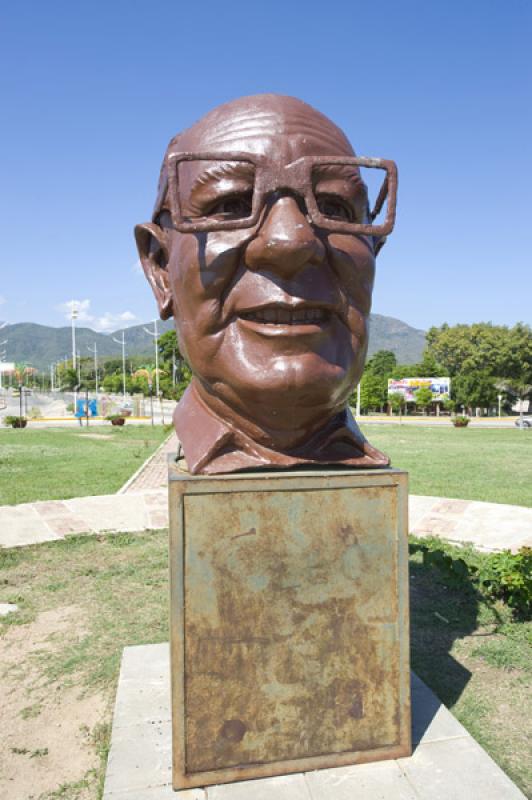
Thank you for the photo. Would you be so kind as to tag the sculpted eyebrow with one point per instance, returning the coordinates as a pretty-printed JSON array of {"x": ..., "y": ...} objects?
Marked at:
[
  {"x": 228, "y": 169},
  {"x": 345, "y": 172}
]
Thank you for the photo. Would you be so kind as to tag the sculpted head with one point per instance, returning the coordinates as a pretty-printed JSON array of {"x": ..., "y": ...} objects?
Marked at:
[{"x": 254, "y": 250}]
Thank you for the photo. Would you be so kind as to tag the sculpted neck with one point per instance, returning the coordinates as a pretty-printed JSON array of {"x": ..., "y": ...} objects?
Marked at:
[{"x": 271, "y": 427}]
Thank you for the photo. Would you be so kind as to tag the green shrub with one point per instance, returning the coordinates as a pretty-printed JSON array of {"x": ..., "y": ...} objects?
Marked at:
[
  {"x": 460, "y": 421},
  {"x": 15, "y": 422},
  {"x": 502, "y": 576},
  {"x": 508, "y": 576}
]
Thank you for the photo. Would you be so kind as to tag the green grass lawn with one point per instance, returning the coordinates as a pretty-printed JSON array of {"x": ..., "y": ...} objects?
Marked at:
[
  {"x": 494, "y": 465},
  {"x": 58, "y": 463},
  {"x": 108, "y": 592}
]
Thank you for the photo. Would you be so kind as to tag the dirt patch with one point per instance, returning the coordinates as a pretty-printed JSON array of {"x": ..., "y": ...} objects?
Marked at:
[
  {"x": 96, "y": 435},
  {"x": 47, "y": 748}
]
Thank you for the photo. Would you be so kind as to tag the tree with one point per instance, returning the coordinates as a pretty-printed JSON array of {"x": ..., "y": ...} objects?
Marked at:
[
  {"x": 449, "y": 404},
  {"x": 423, "y": 398},
  {"x": 168, "y": 347},
  {"x": 396, "y": 401},
  {"x": 373, "y": 391},
  {"x": 383, "y": 362},
  {"x": 68, "y": 377},
  {"x": 474, "y": 389},
  {"x": 496, "y": 350}
]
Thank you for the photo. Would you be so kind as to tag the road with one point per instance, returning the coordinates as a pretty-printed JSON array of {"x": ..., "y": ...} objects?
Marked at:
[{"x": 52, "y": 408}]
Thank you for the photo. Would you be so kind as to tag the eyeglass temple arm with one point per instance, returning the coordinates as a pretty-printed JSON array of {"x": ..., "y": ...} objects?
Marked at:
[{"x": 380, "y": 199}]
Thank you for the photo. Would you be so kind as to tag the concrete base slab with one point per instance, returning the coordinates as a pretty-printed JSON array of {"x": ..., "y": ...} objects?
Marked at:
[{"x": 447, "y": 763}]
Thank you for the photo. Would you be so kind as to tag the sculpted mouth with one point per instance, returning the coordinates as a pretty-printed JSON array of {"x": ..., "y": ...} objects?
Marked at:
[{"x": 281, "y": 315}]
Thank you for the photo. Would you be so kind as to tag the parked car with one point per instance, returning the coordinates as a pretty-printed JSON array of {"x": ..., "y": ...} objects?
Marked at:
[{"x": 525, "y": 421}]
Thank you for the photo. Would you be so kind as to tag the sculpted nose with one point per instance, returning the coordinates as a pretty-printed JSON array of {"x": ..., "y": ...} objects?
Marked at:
[{"x": 285, "y": 241}]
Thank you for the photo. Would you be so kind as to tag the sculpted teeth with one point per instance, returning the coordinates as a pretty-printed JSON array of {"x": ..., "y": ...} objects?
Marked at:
[{"x": 285, "y": 316}]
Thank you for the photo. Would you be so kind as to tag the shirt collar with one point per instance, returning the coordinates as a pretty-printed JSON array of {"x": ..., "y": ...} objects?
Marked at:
[{"x": 212, "y": 445}]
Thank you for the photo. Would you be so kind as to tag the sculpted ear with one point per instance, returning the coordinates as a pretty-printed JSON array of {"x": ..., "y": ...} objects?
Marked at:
[{"x": 152, "y": 246}]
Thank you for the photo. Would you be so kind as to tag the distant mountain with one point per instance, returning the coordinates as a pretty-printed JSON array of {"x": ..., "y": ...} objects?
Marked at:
[
  {"x": 42, "y": 345},
  {"x": 387, "y": 333}
]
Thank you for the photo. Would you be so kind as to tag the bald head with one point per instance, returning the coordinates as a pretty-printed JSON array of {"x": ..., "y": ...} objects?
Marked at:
[{"x": 262, "y": 124}]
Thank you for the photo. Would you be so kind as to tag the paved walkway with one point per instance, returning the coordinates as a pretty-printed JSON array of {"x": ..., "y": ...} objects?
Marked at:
[
  {"x": 489, "y": 526},
  {"x": 141, "y": 504},
  {"x": 153, "y": 473}
]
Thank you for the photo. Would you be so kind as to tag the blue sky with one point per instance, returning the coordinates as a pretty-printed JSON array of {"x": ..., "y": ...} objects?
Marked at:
[{"x": 92, "y": 92}]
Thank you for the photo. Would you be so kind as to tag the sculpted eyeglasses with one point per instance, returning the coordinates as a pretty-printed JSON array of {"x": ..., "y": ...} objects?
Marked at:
[{"x": 211, "y": 191}]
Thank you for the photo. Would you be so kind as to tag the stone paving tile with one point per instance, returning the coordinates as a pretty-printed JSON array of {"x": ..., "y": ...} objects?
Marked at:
[
  {"x": 157, "y": 793},
  {"x": 143, "y": 695},
  {"x": 63, "y": 526},
  {"x": 447, "y": 506},
  {"x": 51, "y": 508},
  {"x": 140, "y": 757},
  {"x": 457, "y": 769},
  {"x": 158, "y": 519},
  {"x": 111, "y": 512},
  {"x": 383, "y": 779},
  {"x": 283, "y": 787},
  {"x": 156, "y": 498},
  {"x": 22, "y": 525},
  {"x": 436, "y": 526},
  {"x": 432, "y": 721}
]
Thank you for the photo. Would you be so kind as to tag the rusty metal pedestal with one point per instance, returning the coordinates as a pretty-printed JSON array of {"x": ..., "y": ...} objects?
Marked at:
[{"x": 289, "y": 622}]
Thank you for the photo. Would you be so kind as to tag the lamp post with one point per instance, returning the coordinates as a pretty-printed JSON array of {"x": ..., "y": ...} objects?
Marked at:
[
  {"x": 73, "y": 318},
  {"x": 95, "y": 351},
  {"x": 122, "y": 341},
  {"x": 155, "y": 334},
  {"x": 150, "y": 387},
  {"x": 3, "y": 355},
  {"x": 499, "y": 398}
]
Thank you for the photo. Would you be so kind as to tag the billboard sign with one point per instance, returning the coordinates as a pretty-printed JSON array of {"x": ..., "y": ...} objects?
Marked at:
[{"x": 440, "y": 387}]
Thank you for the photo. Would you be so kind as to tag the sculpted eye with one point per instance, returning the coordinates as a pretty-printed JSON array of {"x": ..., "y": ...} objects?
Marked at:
[
  {"x": 235, "y": 207},
  {"x": 335, "y": 208}
]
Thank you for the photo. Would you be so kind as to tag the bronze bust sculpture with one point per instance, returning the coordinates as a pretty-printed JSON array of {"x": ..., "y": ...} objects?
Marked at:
[{"x": 262, "y": 247}]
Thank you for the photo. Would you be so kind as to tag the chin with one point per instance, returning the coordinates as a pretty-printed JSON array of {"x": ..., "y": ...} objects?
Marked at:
[{"x": 306, "y": 383}]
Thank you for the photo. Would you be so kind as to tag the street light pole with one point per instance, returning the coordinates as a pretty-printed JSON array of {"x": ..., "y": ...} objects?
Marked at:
[
  {"x": 73, "y": 317},
  {"x": 3, "y": 355},
  {"x": 155, "y": 334},
  {"x": 122, "y": 341},
  {"x": 95, "y": 351}
]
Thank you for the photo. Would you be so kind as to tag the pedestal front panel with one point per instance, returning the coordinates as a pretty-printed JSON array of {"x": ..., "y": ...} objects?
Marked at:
[{"x": 289, "y": 622}]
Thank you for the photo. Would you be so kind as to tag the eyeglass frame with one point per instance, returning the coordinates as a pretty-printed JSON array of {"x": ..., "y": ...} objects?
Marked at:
[{"x": 297, "y": 177}]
